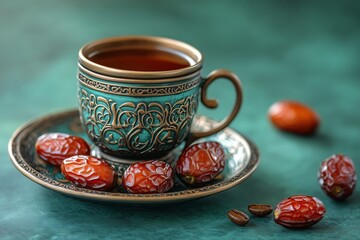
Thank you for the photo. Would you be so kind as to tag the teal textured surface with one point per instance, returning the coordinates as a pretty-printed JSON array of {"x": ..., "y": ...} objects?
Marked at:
[{"x": 300, "y": 50}]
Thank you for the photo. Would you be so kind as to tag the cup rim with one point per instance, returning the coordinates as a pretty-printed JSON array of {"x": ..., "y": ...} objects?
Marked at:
[{"x": 160, "y": 43}]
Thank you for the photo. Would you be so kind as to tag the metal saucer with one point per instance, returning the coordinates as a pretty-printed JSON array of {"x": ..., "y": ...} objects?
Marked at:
[{"x": 242, "y": 158}]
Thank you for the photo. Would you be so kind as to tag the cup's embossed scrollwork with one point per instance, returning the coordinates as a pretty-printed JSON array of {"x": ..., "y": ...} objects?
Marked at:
[{"x": 136, "y": 128}]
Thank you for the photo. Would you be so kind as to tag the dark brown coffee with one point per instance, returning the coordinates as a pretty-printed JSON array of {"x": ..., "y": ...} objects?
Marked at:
[{"x": 140, "y": 60}]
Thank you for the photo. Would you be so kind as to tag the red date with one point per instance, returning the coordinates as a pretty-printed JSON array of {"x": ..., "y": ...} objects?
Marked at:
[
  {"x": 299, "y": 211},
  {"x": 337, "y": 176},
  {"x": 200, "y": 163},
  {"x": 294, "y": 117},
  {"x": 55, "y": 147},
  {"x": 148, "y": 177},
  {"x": 89, "y": 172}
]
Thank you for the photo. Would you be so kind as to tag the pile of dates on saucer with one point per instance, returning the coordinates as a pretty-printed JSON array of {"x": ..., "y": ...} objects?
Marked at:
[{"x": 196, "y": 166}]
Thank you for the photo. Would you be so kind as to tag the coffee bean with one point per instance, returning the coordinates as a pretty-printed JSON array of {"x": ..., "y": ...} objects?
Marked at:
[
  {"x": 260, "y": 210},
  {"x": 238, "y": 217}
]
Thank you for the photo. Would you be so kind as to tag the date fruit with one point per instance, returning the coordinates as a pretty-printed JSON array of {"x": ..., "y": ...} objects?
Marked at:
[
  {"x": 55, "y": 147},
  {"x": 299, "y": 211},
  {"x": 293, "y": 117},
  {"x": 200, "y": 163},
  {"x": 238, "y": 217},
  {"x": 89, "y": 172},
  {"x": 337, "y": 176},
  {"x": 260, "y": 210},
  {"x": 148, "y": 177}
]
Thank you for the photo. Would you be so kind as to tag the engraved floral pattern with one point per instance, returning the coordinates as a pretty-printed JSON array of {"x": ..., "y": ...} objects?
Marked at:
[{"x": 136, "y": 128}]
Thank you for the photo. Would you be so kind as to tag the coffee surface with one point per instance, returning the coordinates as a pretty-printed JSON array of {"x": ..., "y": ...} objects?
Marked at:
[{"x": 140, "y": 60}]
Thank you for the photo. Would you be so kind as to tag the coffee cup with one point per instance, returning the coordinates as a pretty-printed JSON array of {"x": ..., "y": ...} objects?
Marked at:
[{"x": 138, "y": 95}]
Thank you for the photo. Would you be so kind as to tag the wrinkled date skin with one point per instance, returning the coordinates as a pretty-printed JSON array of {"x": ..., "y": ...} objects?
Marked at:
[
  {"x": 200, "y": 163},
  {"x": 148, "y": 177},
  {"x": 337, "y": 176},
  {"x": 294, "y": 117},
  {"x": 55, "y": 147},
  {"x": 89, "y": 172},
  {"x": 299, "y": 211}
]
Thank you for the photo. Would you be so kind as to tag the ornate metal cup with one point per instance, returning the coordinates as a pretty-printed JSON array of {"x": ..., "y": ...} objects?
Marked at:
[{"x": 140, "y": 115}]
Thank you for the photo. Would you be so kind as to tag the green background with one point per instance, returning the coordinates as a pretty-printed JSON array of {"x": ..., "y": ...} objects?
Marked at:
[{"x": 307, "y": 51}]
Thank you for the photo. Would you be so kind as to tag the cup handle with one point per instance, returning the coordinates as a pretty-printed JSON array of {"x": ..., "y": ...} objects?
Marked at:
[{"x": 212, "y": 103}]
